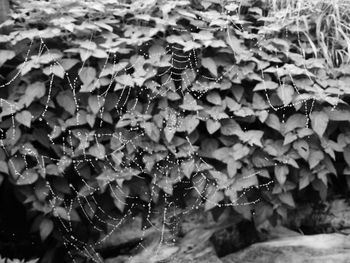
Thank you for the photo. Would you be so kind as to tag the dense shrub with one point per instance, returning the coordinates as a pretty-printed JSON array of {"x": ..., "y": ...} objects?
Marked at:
[{"x": 109, "y": 108}]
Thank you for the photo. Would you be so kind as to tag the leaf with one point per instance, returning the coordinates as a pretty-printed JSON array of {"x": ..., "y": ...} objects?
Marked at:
[
  {"x": 151, "y": 130},
  {"x": 281, "y": 172},
  {"x": 273, "y": 122},
  {"x": 213, "y": 198},
  {"x": 214, "y": 98},
  {"x": 95, "y": 103},
  {"x": 210, "y": 64},
  {"x": 27, "y": 177},
  {"x": 188, "y": 168},
  {"x": 66, "y": 101},
  {"x": 222, "y": 154},
  {"x": 302, "y": 148},
  {"x": 315, "y": 157},
  {"x": 230, "y": 127},
  {"x": 289, "y": 137},
  {"x": 24, "y": 117},
  {"x": 87, "y": 75},
  {"x": 252, "y": 137},
  {"x": 190, "y": 104},
  {"x": 212, "y": 126},
  {"x": 319, "y": 122},
  {"x": 4, "y": 167},
  {"x": 232, "y": 167},
  {"x": 46, "y": 227},
  {"x": 6, "y": 55},
  {"x": 266, "y": 85},
  {"x": 346, "y": 154},
  {"x": 232, "y": 104},
  {"x": 287, "y": 198},
  {"x": 98, "y": 151},
  {"x": 125, "y": 80},
  {"x": 189, "y": 124},
  {"x": 305, "y": 178},
  {"x": 295, "y": 121},
  {"x": 16, "y": 166},
  {"x": 33, "y": 91},
  {"x": 285, "y": 93}
]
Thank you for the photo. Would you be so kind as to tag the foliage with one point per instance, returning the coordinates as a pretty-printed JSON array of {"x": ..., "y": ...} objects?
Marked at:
[{"x": 102, "y": 97}]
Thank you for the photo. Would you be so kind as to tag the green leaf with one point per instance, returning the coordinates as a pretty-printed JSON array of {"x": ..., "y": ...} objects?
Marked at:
[
  {"x": 27, "y": 177},
  {"x": 210, "y": 64},
  {"x": 266, "y": 85},
  {"x": 305, "y": 178},
  {"x": 287, "y": 198},
  {"x": 46, "y": 227},
  {"x": 285, "y": 93},
  {"x": 319, "y": 122},
  {"x": 302, "y": 148},
  {"x": 4, "y": 167},
  {"x": 189, "y": 124},
  {"x": 66, "y": 101},
  {"x": 6, "y": 55},
  {"x": 188, "y": 168},
  {"x": 33, "y": 91},
  {"x": 151, "y": 130},
  {"x": 252, "y": 137},
  {"x": 281, "y": 172},
  {"x": 214, "y": 98},
  {"x": 295, "y": 121},
  {"x": 213, "y": 197},
  {"x": 87, "y": 75},
  {"x": 98, "y": 151},
  {"x": 273, "y": 122},
  {"x": 24, "y": 117},
  {"x": 230, "y": 127},
  {"x": 95, "y": 103},
  {"x": 190, "y": 104},
  {"x": 212, "y": 126},
  {"x": 315, "y": 157},
  {"x": 346, "y": 154}
]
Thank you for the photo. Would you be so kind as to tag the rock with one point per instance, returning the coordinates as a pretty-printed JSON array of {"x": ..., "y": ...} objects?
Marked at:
[{"x": 323, "y": 248}]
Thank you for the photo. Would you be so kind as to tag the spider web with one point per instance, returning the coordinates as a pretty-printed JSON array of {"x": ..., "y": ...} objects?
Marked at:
[{"x": 183, "y": 66}]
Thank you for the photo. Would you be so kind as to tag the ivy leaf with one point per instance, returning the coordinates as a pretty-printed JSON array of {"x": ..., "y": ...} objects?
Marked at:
[
  {"x": 27, "y": 177},
  {"x": 232, "y": 104},
  {"x": 46, "y": 227},
  {"x": 285, "y": 93},
  {"x": 95, "y": 103},
  {"x": 33, "y": 91},
  {"x": 305, "y": 178},
  {"x": 273, "y": 122},
  {"x": 190, "y": 104},
  {"x": 281, "y": 172},
  {"x": 189, "y": 124},
  {"x": 346, "y": 154},
  {"x": 230, "y": 127},
  {"x": 3, "y": 167},
  {"x": 213, "y": 198},
  {"x": 319, "y": 122},
  {"x": 287, "y": 198},
  {"x": 24, "y": 117},
  {"x": 151, "y": 130},
  {"x": 295, "y": 121},
  {"x": 66, "y": 101},
  {"x": 98, "y": 151},
  {"x": 6, "y": 55},
  {"x": 210, "y": 64},
  {"x": 266, "y": 85},
  {"x": 252, "y": 137},
  {"x": 302, "y": 148},
  {"x": 315, "y": 157},
  {"x": 212, "y": 126},
  {"x": 214, "y": 98},
  {"x": 188, "y": 168}
]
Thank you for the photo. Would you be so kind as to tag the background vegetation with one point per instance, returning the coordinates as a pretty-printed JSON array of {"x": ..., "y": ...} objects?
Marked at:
[{"x": 107, "y": 108}]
